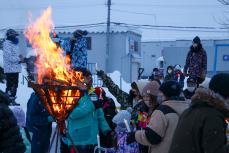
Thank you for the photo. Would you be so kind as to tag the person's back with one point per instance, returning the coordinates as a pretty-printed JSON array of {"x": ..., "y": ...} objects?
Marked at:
[
  {"x": 192, "y": 121},
  {"x": 38, "y": 121},
  {"x": 202, "y": 127},
  {"x": 10, "y": 137}
]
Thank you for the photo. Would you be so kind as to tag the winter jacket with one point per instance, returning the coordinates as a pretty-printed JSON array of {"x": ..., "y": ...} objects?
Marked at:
[
  {"x": 77, "y": 49},
  {"x": 169, "y": 76},
  {"x": 122, "y": 97},
  {"x": 202, "y": 127},
  {"x": 109, "y": 110},
  {"x": 84, "y": 122},
  {"x": 188, "y": 94},
  {"x": 10, "y": 137},
  {"x": 122, "y": 147},
  {"x": 36, "y": 114},
  {"x": 196, "y": 63},
  {"x": 11, "y": 57},
  {"x": 159, "y": 132},
  {"x": 179, "y": 77},
  {"x": 38, "y": 123}
]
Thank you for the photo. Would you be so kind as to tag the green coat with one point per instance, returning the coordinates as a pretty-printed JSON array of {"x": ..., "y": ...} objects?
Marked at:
[
  {"x": 85, "y": 122},
  {"x": 121, "y": 96}
]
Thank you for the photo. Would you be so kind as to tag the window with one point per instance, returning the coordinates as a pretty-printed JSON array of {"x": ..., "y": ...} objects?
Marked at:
[
  {"x": 135, "y": 46},
  {"x": 88, "y": 43},
  {"x": 153, "y": 56},
  {"x": 1, "y": 43}
]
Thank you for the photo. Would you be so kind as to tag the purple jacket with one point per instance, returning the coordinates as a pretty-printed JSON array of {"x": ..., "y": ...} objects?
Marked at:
[
  {"x": 121, "y": 134},
  {"x": 196, "y": 63}
]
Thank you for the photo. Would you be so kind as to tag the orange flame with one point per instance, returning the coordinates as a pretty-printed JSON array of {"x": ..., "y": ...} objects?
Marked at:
[
  {"x": 52, "y": 64},
  {"x": 51, "y": 59}
]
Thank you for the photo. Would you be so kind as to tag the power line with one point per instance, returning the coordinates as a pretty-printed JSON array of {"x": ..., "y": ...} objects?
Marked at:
[
  {"x": 179, "y": 6},
  {"x": 165, "y": 26},
  {"x": 118, "y": 10},
  {"x": 142, "y": 26},
  {"x": 172, "y": 28}
]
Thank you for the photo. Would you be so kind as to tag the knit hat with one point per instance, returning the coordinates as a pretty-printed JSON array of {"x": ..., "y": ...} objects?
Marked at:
[
  {"x": 152, "y": 88},
  {"x": 19, "y": 115},
  {"x": 220, "y": 84},
  {"x": 196, "y": 40},
  {"x": 98, "y": 91},
  {"x": 119, "y": 118},
  {"x": 11, "y": 33},
  {"x": 170, "y": 88},
  {"x": 79, "y": 33}
]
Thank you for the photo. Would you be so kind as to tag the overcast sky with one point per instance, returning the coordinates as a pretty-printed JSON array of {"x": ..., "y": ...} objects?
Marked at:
[{"x": 184, "y": 13}]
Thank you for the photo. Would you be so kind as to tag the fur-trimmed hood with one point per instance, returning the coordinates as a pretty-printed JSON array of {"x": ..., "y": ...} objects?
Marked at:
[{"x": 210, "y": 98}]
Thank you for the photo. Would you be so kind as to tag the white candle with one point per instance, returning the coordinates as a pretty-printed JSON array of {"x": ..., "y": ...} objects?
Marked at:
[
  {"x": 127, "y": 125},
  {"x": 96, "y": 66},
  {"x": 98, "y": 141}
]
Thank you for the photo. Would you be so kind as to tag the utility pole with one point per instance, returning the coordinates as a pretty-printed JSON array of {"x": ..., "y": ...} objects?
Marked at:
[{"x": 108, "y": 34}]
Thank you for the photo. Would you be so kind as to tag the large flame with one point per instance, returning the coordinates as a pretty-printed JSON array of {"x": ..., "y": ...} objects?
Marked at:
[
  {"x": 51, "y": 61},
  {"x": 52, "y": 66}
]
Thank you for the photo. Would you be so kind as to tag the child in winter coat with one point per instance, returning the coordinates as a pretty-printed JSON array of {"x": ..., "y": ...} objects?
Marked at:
[
  {"x": 122, "y": 132},
  {"x": 179, "y": 75},
  {"x": 170, "y": 73},
  {"x": 20, "y": 116},
  {"x": 109, "y": 110}
]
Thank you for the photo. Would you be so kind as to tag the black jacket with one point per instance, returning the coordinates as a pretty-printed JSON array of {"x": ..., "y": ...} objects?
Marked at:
[
  {"x": 10, "y": 137},
  {"x": 188, "y": 94},
  {"x": 202, "y": 127}
]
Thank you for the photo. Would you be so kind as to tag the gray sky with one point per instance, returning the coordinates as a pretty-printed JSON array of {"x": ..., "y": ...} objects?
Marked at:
[{"x": 184, "y": 13}]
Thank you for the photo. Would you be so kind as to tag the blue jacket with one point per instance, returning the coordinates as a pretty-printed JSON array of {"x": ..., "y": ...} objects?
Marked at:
[
  {"x": 85, "y": 122},
  {"x": 77, "y": 50},
  {"x": 36, "y": 115}
]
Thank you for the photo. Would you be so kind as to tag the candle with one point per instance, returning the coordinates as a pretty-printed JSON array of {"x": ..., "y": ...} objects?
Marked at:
[
  {"x": 96, "y": 66},
  {"x": 127, "y": 125},
  {"x": 98, "y": 141}
]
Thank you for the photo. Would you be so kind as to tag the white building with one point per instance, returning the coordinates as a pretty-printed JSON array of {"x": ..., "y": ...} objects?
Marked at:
[
  {"x": 124, "y": 55},
  {"x": 175, "y": 52}
]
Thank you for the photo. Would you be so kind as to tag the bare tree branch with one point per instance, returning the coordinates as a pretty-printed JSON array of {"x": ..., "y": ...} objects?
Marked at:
[{"x": 224, "y": 2}]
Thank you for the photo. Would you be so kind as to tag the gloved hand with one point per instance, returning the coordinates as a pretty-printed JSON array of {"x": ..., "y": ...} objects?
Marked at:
[
  {"x": 98, "y": 104},
  {"x": 51, "y": 119},
  {"x": 100, "y": 73},
  {"x": 64, "y": 139},
  {"x": 130, "y": 138}
]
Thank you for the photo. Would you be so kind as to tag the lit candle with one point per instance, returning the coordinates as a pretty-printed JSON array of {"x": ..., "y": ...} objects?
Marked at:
[
  {"x": 127, "y": 125},
  {"x": 98, "y": 141}
]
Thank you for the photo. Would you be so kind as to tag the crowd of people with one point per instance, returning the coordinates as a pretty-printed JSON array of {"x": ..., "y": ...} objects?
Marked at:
[{"x": 157, "y": 115}]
